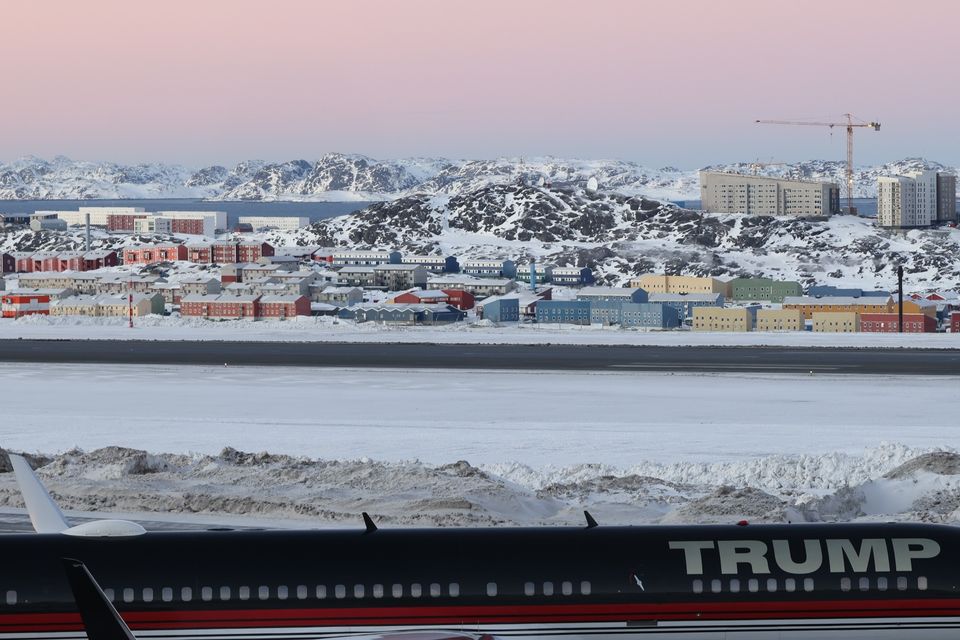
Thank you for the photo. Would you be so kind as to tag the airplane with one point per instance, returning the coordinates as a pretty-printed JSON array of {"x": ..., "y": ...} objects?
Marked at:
[{"x": 869, "y": 580}]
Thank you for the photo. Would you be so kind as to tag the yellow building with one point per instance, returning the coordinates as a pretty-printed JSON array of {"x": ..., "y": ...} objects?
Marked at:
[
  {"x": 654, "y": 283},
  {"x": 718, "y": 319},
  {"x": 838, "y": 304},
  {"x": 780, "y": 320},
  {"x": 836, "y": 322},
  {"x": 926, "y": 307}
]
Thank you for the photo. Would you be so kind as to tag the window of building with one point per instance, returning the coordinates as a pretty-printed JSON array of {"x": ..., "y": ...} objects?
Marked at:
[
  {"x": 881, "y": 584},
  {"x": 845, "y": 584},
  {"x": 734, "y": 585},
  {"x": 111, "y": 596},
  {"x": 771, "y": 584},
  {"x": 147, "y": 594},
  {"x": 863, "y": 584}
]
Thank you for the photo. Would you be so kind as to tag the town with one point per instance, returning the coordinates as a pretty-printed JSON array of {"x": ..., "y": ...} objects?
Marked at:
[{"x": 251, "y": 279}]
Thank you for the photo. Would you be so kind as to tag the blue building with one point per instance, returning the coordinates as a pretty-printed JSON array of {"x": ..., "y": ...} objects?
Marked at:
[
  {"x": 500, "y": 309},
  {"x": 685, "y": 303},
  {"x": 572, "y": 276},
  {"x": 563, "y": 311},
  {"x": 647, "y": 315},
  {"x": 489, "y": 268}
]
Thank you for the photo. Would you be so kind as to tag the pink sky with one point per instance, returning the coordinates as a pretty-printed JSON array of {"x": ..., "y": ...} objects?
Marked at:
[{"x": 672, "y": 82}]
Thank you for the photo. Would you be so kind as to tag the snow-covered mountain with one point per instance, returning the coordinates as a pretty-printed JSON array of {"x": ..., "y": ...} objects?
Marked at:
[{"x": 352, "y": 177}]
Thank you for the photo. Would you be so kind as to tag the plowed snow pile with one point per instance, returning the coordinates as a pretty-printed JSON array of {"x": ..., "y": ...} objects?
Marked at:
[{"x": 887, "y": 483}]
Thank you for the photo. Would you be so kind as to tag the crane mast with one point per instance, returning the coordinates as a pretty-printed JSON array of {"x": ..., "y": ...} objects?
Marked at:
[{"x": 849, "y": 125}]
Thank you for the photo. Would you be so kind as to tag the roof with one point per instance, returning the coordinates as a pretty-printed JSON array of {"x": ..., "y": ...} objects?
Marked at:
[
  {"x": 403, "y": 307},
  {"x": 863, "y": 301},
  {"x": 684, "y": 297},
  {"x": 41, "y": 292},
  {"x": 396, "y": 267},
  {"x": 464, "y": 279},
  {"x": 424, "y": 293},
  {"x": 608, "y": 291},
  {"x": 281, "y": 298},
  {"x": 329, "y": 289},
  {"x": 356, "y": 269}
]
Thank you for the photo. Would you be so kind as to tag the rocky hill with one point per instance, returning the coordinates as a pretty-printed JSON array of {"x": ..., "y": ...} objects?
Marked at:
[
  {"x": 351, "y": 177},
  {"x": 621, "y": 236}
]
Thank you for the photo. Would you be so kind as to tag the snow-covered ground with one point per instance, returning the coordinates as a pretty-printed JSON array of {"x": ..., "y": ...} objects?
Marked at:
[
  {"x": 481, "y": 447},
  {"x": 328, "y": 329}
]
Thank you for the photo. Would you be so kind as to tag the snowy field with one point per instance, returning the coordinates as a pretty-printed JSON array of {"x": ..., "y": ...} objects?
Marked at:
[
  {"x": 442, "y": 447},
  {"x": 331, "y": 330}
]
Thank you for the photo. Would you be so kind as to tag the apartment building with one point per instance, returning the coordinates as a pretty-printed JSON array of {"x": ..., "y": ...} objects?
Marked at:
[
  {"x": 765, "y": 289},
  {"x": 657, "y": 283},
  {"x": 917, "y": 199},
  {"x": 780, "y": 320},
  {"x": 722, "y": 319},
  {"x": 760, "y": 195},
  {"x": 838, "y": 304},
  {"x": 836, "y": 322},
  {"x": 286, "y": 223}
]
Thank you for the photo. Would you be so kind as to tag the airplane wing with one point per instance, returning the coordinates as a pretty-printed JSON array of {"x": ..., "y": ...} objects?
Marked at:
[
  {"x": 44, "y": 512},
  {"x": 100, "y": 619}
]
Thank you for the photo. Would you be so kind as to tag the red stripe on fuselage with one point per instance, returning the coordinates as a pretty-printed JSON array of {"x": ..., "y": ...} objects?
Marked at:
[{"x": 496, "y": 614}]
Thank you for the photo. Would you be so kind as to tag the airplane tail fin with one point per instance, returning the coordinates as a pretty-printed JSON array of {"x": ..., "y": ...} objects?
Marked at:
[
  {"x": 100, "y": 619},
  {"x": 44, "y": 512}
]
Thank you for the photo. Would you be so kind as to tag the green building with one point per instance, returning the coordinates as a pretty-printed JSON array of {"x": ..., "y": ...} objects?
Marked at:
[{"x": 763, "y": 289}]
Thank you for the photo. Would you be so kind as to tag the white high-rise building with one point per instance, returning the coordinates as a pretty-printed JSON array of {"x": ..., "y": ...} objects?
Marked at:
[{"x": 908, "y": 201}]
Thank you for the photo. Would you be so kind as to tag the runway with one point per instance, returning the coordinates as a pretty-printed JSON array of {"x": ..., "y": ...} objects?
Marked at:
[{"x": 491, "y": 357}]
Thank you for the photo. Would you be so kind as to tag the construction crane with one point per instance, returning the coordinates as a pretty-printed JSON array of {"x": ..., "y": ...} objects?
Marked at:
[{"x": 849, "y": 124}]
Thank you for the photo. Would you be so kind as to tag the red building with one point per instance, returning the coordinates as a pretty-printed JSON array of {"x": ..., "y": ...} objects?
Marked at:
[
  {"x": 889, "y": 323},
  {"x": 462, "y": 300},
  {"x": 8, "y": 263},
  {"x": 71, "y": 261},
  {"x": 955, "y": 322},
  {"x": 419, "y": 296},
  {"x": 23, "y": 261},
  {"x": 45, "y": 261},
  {"x": 280, "y": 307},
  {"x": 17, "y": 305},
  {"x": 99, "y": 259},
  {"x": 225, "y": 252},
  {"x": 202, "y": 253},
  {"x": 123, "y": 221},
  {"x": 222, "y": 307},
  {"x": 253, "y": 251},
  {"x": 324, "y": 255},
  {"x": 148, "y": 253},
  {"x": 192, "y": 226}
]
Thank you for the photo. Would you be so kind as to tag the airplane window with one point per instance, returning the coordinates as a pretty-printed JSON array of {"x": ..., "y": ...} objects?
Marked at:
[
  {"x": 243, "y": 593},
  {"x": 585, "y": 588},
  {"x": 166, "y": 594},
  {"x": 790, "y": 585},
  {"x": 548, "y": 588},
  {"x": 922, "y": 583},
  {"x": 11, "y": 597},
  {"x": 901, "y": 584},
  {"x": 378, "y": 591},
  {"x": 415, "y": 590},
  {"x": 301, "y": 592},
  {"x": 808, "y": 584},
  {"x": 358, "y": 591},
  {"x": 698, "y": 586},
  {"x": 491, "y": 589},
  {"x": 263, "y": 592},
  {"x": 715, "y": 586},
  {"x": 566, "y": 587},
  {"x": 109, "y": 593},
  {"x": 844, "y": 584},
  {"x": 397, "y": 590},
  {"x": 753, "y": 585},
  {"x": 529, "y": 589},
  {"x": 454, "y": 589},
  {"x": 186, "y": 594},
  {"x": 282, "y": 592},
  {"x": 882, "y": 584},
  {"x": 435, "y": 590},
  {"x": 224, "y": 593},
  {"x": 771, "y": 584},
  {"x": 340, "y": 591},
  {"x": 206, "y": 594},
  {"x": 321, "y": 592},
  {"x": 735, "y": 585},
  {"x": 147, "y": 594},
  {"x": 128, "y": 594},
  {"x": 864, "y": 584}
]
